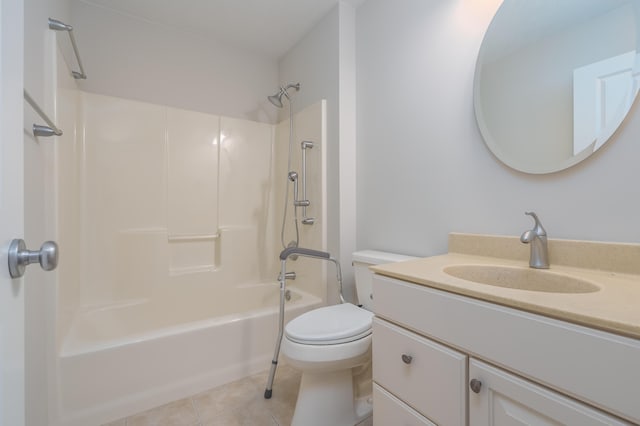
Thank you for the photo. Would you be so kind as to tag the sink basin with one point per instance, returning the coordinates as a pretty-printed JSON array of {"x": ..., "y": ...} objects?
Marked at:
[{"x": 521, "y": 278}]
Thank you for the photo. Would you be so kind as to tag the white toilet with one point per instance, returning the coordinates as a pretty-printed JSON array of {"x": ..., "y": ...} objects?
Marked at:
[{"x": 332, "y": 347}]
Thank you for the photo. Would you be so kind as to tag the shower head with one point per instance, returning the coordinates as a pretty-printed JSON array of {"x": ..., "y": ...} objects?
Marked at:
[{"x": 277, "y": 98}]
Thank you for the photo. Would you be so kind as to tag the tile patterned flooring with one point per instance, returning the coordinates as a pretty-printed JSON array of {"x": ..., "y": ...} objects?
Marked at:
[{"x": 239, "y": 403}]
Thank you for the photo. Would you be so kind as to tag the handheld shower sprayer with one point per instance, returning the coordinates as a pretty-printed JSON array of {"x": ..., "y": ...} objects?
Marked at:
[{"x": 293, "y": 177}]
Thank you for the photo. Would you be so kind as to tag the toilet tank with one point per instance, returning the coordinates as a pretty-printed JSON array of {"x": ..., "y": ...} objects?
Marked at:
[{"x": 364, "y": 277}]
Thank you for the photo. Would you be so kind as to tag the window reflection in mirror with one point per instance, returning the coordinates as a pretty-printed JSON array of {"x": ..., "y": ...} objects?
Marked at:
[{"x": 555, "y": 79}]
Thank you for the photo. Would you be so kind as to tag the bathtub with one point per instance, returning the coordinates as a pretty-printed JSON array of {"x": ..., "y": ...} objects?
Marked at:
[{"x": 119, "y": 360}]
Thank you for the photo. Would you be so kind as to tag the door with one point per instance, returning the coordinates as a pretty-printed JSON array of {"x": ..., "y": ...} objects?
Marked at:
[
  {"x": 603, "y": 93},
  {"x": 500, "y": 398},
  {"x": 12, "y": 371}
]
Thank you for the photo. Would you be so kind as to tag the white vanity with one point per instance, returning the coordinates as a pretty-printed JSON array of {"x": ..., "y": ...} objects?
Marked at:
[{"x": 450, "y": 351}]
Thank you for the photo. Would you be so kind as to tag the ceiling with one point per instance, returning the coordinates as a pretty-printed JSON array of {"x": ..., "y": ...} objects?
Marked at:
[{"x": 268, "y": 27}]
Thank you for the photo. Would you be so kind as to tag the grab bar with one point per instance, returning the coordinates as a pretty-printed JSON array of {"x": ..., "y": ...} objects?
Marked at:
[
  {"x": 56, "y": 25},
  {"x": 193, "y": 237},
  {"x": 284, "y": 254},
  {"x": 305, "y": 219},
  {"x": 38, "y": 129}
]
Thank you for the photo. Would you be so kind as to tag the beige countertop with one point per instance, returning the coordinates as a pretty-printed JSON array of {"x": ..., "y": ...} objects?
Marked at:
[{"x": 615, "y": 307}]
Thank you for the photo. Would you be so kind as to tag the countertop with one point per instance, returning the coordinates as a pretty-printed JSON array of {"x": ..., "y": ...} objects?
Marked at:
[{"x": 614, "y": 308}]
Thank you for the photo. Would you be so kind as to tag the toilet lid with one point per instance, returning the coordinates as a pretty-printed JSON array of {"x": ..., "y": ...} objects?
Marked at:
[{"x": 330, "y": 325}]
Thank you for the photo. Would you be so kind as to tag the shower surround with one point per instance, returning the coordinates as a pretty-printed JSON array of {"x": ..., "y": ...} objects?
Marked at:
[{"x": 169, "y": 226}]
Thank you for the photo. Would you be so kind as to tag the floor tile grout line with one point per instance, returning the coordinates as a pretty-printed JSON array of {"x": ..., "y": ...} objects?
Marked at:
[
  {"x": 274, "y": 418},
  {"x": 195, "y": 409}
]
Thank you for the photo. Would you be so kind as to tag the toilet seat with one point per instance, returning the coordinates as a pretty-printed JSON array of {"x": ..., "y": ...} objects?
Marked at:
[{"x": 330, "y": 325}]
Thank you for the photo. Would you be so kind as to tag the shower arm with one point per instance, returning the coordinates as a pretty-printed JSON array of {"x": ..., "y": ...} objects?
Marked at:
[{"x": 285, "y": 89}]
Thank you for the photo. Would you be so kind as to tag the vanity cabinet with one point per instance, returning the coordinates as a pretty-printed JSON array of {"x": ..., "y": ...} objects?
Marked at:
[{"x": 441, "y": 358}]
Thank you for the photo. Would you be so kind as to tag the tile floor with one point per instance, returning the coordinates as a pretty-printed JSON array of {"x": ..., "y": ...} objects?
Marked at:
[{"x": 238, "y": 403}]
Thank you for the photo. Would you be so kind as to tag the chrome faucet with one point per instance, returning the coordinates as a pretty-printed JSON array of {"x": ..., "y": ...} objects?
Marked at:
[{"x": 537, "y": 237}]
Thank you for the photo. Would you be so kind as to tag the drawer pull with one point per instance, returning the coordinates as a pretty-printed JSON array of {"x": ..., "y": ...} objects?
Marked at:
[
  {"x": 475, "y": 385},
  {"x": 407, "y": 358}
]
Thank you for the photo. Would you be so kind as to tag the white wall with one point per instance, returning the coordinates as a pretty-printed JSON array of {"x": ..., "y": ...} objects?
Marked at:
[
  {"x": 135, "y": 59},
  {"x": 324, "y": 64},
  {"x": 423, "y": 169}
]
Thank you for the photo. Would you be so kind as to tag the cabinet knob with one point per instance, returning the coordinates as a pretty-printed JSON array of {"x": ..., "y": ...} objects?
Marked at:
[
  {"x": 475, "y": 385},
  {"x": 407, "y": 358}
]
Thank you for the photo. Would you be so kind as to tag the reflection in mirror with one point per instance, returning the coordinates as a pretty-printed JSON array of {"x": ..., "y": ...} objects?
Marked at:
[{"x": 555, "y": 79}]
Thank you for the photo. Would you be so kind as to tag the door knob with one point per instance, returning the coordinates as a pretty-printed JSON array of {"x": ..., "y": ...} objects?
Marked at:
[
  {"x": 475, "y": 385},
  {"x": 20, "y": 257}
]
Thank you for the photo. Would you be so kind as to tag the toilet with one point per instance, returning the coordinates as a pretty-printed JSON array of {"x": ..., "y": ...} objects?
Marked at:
[{"x": 332, "y": 347}]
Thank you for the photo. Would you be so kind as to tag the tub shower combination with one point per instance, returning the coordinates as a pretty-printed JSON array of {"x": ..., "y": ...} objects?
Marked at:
[{"x": 179, "y": 292}]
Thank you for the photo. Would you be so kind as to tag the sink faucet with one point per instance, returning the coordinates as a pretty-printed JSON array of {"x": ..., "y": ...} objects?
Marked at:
[{"x": 537, "y": 237}]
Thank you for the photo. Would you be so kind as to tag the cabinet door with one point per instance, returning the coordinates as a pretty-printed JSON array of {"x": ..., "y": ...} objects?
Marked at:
[{"x": 505, "y": 399}]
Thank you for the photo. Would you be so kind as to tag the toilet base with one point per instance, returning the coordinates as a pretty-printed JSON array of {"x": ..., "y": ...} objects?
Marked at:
[{"x": 327, "y": 398}]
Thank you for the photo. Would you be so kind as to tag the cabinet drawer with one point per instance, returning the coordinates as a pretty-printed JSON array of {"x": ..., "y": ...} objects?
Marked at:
[
  {"x": 432, "y": 381},
  {"x": 389, "y": 410}
]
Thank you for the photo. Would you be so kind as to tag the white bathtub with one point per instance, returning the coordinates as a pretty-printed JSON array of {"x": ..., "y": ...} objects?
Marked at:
[{"x": 122, "y": 360}]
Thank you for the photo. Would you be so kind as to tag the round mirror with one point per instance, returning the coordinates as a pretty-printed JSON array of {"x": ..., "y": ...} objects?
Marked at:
[{"x": 555, "y": 79}]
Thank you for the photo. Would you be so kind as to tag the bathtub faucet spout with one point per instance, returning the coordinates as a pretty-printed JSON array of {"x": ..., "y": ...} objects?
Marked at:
[{"x": 287, "y": 276}]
